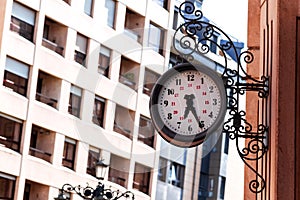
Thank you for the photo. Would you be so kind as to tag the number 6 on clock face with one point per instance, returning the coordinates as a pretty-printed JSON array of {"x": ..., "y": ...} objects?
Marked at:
[{"x": 188, "y": 103}]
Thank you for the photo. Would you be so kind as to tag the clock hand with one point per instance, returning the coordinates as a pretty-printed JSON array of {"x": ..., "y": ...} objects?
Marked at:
[{"x": 190, "y": 107}]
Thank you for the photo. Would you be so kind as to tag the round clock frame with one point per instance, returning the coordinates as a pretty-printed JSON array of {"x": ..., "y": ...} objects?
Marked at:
[{"x": 187, "y": 103}]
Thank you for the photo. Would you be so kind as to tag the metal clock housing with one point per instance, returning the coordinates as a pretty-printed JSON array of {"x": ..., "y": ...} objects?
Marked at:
[{"x": 187, "y": 103}]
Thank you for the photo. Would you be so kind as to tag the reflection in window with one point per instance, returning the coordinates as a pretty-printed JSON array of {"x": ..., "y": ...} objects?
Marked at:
[
  {"x": 162, "y": 169},
  {"x": 176, "y": 174},
  {"x": 156, "y": 38},
  {"x": 110, "y": 6},
  {"x": 22, "y": 21},
  {"x": 162, "y": 3},
  {"x": 88, "y": 7}
]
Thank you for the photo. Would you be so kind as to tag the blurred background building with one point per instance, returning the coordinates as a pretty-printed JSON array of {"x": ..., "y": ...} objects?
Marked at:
[{"x": 76, "y": 78}]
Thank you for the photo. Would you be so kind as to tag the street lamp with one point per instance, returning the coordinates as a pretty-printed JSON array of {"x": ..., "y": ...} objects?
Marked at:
[{"x": 99, "y": 193}]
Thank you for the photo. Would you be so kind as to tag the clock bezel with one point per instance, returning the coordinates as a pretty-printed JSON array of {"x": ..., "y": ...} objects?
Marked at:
[{"x": 168, "y": 134}]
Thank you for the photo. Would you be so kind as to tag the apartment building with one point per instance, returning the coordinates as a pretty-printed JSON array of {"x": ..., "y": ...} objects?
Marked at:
[{"x": 76, "y": 78}]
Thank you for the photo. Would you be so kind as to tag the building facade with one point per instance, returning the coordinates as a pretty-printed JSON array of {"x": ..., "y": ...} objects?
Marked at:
[
  {"x": 76, "y": 78},
  {"x": 273, "y": 37}
]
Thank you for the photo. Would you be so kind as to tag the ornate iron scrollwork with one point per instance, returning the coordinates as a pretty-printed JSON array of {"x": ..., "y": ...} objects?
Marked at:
[{"x": 196, "y": 36}]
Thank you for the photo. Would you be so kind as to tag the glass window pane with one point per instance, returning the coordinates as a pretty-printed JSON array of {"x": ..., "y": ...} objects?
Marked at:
[{"x": 110, "y": 5}]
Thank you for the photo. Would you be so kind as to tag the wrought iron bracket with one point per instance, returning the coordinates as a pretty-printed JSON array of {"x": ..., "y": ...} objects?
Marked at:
[
  {"x": 195, "y": 36},
  {"x": 89, "y": 193}
]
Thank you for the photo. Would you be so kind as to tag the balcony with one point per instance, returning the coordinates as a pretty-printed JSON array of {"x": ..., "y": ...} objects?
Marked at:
[
  {"x": 118, "y": 171},
  {"x": 141, "y": 179},
  {"x": 41, "y": 143},
  {"x": 54, "y": 36},
  {"x": 10, "y": 133},
  {"x": 146, "y": 131},
  {"x": 150, "y": 79},
  {"x": 134, "y": 25},
  {"x": 48, "y": 89},
  {"x": 52, "y": 46},
  {"x": 129, "y": 73},
  {"x": 124, "y": 121}
]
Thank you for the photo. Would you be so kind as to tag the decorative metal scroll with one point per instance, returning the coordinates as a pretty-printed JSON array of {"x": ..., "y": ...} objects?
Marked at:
[
  {"x": 196, "y": 37},
  {"x": 100, "y": 192}
]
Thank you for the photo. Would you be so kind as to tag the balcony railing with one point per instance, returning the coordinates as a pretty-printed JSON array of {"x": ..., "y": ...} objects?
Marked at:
[
  {"x": 80, "y": 57},
  {"x": 146, "y": 140},
  {"x": 133, "y": 34},
  {"x": 9, "y": 143},
  {"x": 122, "y": 130},
  {"x": 127, "y": 81},
  {"x": 118, "y": 180},
  {"x": 52, "y": 46},
  {"x": 46, "y": 100},
  {"x": 40, "y": 154}
]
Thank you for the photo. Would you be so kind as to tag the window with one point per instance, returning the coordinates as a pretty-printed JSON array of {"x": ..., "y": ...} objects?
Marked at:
[
  {"x": 176, "y": 174},
  {"x": 88, "y": 7},
  {"x": 54, "y": 36},
  {"x": 81, "y": 49},
  {"x": 146, "y": 131},
  {"x": 162, "y": 169},
  {"x": 16, "y": 76},
  {"x": 150, "y": 79},
  {"x": 75, "y": 101},
  {"x": 162, "y": 3},
  {"x": 10, "y": 132},
  {"x": 134, "y": 25},
  {"x": 104, "y": 61},
  {"x": 124, "y": 121},
  {"x": 110, "y": 5},
  {"x": 93, "y": 158},
  {"x": 156, "y": 38},
  {"x": 226, "y": 144},
  {"x": 69, "y": 153},
  {"x": 98, "y": 113},
  {"x": 141, "y": 178},
  {"x": 129, "y": 73},
  {"x": 213, "y": 44},
  {"x": 7, "y": 188},
  {"x": 41, "y": 141},
  {"x": 22, "y": 21},
  {"x": 48, "y": 89},
  {"x": 118, "y": 170},
  {"x": 176, "y": 18},
  {"x": 222, "y": 189}
]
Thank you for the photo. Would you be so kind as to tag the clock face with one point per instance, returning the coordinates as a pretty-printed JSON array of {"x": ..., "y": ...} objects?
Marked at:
[{"x": 187, "y": 103}]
